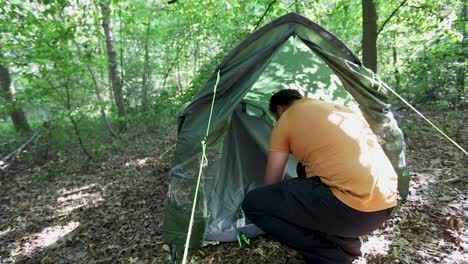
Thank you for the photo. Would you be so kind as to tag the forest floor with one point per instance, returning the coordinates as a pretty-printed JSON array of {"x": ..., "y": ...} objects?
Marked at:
[{"x": 111, "y": 211}]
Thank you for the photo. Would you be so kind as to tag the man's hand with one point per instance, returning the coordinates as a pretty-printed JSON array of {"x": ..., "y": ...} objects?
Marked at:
[{"x": 275, "y": 167}]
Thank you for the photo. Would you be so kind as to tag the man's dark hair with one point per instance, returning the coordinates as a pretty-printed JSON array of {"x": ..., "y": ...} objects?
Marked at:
[{"x": 283, "y": 97}]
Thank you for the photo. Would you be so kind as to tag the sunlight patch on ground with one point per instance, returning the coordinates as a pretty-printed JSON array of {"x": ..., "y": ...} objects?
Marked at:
[
  {"x": 139, "y": 163},
  {"x": 376, "y": 245},
  {"x": 78, "y": 189},
  {"x": 72, "y": 199},
  {"x": 6, "y": 231},
  {"x": 457, "y": 257},
  {"x": 29, "y": 244}
]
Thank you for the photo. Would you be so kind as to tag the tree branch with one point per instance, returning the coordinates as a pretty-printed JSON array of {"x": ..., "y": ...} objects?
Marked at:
[
  {"x": 386, "y": 20},
  {"x": 390, "y": 17},
  {"x": 264, "y": 14}
]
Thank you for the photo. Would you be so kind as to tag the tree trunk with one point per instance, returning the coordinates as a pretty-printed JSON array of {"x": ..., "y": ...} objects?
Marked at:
[
  {"x": 114, "y": 76},
  {"x": 8, "y": 92},
  {"x": 96, "y": 87},
  {"x": 146, "y": 67},
  {"x": 73, "y": 121},
  {"x": 195, "y": 63},
  {"x": 396, "y": 72},
  {"x": 171, "y": 66},
  {"x": 461, "y": 72},
  {"x": 296, "y": 5},
  {"x": 99, "y": 98},
  {"x": 369, "y": 34}
]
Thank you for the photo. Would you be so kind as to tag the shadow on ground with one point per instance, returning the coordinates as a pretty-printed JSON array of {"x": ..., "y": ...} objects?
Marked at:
[{"x": 107, "y": 212}]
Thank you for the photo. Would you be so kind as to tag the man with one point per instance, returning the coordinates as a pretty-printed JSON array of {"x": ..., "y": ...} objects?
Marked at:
[{"x": 348, "y": 189}]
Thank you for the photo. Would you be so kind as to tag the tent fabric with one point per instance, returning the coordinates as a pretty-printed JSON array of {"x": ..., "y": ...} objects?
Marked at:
[{"x": 290, "y": 52}]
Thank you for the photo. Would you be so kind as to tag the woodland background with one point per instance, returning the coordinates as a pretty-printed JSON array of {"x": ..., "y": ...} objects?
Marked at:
[{"x": 90, "y": 92}]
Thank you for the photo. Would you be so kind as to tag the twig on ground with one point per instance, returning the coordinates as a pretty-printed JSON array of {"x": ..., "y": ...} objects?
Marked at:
[
  {"x": 165, "y": 152},
  {"x": 453, "y": 180},
  {"x": 6, "y": 161}
]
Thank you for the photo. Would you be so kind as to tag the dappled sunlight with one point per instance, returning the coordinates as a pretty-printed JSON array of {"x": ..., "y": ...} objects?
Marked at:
[
  {"x": 38, "y": 219},
  {"x": 370, "y": 154},
  {"x": 376, "y": 245},
  {"x": 375, "y": 248},
  {"x": 311, "y": 70},
  {"x": 457, "y": 257},
  {"x": 35, "y": 242},
  {"x": 6, "y": 231},
  {"x": 138, "y": 163},
  {"x": 296, "y": 67},
  {"x": 72, "y": 199}
]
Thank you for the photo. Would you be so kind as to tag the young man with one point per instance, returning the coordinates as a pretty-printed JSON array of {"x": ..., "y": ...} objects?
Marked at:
[{"x": 349, "y": 188}]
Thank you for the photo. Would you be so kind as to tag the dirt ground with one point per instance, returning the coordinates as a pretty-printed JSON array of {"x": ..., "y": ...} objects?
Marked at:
[{"x": 111, "y": 211}]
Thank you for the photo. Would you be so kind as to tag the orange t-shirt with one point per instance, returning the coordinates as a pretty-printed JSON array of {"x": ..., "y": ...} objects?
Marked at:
[{"x": 337, "y": 145}]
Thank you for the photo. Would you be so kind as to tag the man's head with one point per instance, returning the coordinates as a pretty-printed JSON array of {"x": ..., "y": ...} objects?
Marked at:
[{"x": 281, "y": 100}]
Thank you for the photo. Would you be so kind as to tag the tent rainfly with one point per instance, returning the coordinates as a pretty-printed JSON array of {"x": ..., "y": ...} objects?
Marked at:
[{"x": 290, "y": 52}]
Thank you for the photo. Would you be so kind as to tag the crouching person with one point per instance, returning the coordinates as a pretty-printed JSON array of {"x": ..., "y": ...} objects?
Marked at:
[{"x": 349, "y": 187}]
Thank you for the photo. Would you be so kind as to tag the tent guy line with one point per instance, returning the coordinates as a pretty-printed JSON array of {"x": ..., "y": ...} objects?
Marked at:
[
  {"x": 425, "y": 119},
  {"x": 203, "y": 162}
]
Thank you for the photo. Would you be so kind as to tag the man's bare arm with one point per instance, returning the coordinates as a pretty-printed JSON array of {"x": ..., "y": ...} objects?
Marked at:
[{"x": 275, "y": 167}]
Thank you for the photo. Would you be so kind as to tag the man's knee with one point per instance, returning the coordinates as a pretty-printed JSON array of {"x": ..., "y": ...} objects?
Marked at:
[
  {"x": 250, "y": 202},
  {"x": 257, "y": 200}
]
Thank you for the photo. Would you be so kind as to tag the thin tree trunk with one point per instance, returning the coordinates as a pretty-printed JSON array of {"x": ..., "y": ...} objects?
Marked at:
[
  {"x": 396, "y": 72},
  {"x": 187, "y": 72},
  {"x": 99, "y": 99},
  {"x": 166, "y": 76},
  {"x": 179, "y": 81},
  {"x": 121, "y": 48},
  {"x": 146, "y": 68},
  {"x": 102, "y": 76},
  {"x": 17, "y": 114},
  {"x": 369, "y": 34},
  {"x": 96, "y": 89},
  {"x": 461, "y": 72},
  {"x": 78, "y": 135},
  {"x": 171, "y": 66},
  {"x": 461, "y": 89},
  {"x": 74, "y": 123},
  {"x": 178, "y": 68},
  {"x": 114, "y": 76},
  {"x": 195, "y": 55}
]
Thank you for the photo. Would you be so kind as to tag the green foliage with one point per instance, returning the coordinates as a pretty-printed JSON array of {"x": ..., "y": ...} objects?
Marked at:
[
  {"x": 7, "y": 131},
  {"x": 56, "y": 53},
  {"x": 427, "y": 39}
]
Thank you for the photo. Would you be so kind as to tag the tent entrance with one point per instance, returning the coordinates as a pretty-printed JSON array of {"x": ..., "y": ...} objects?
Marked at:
[
  {"x": 295, "y": 66},
  {"x": 240, "y": 169}
]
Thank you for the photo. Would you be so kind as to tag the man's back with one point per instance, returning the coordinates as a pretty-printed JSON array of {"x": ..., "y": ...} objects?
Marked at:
[{"x": 336, "y": 144}]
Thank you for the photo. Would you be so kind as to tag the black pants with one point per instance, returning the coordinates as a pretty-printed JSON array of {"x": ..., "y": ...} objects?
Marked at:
[{"x": 305, "y": 215}]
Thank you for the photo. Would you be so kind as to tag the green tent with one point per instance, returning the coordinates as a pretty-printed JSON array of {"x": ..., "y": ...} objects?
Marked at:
[{"x": 290, "y": 52}]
